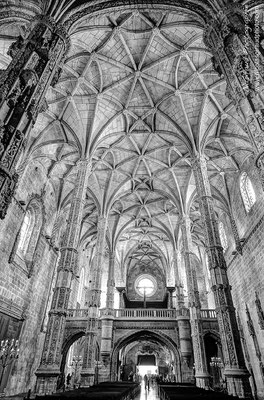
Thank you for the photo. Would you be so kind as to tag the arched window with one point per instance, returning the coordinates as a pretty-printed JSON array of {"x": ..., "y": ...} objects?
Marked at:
[
  {"x": 223, "y": 237},
  {"x": 247, "y": 191},
  {"x": 25, "y": 233},
  {"x": 26, "y": 242}
]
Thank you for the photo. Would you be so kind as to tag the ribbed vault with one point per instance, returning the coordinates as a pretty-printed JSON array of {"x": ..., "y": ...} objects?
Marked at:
[{"x": 138, "y": 95}]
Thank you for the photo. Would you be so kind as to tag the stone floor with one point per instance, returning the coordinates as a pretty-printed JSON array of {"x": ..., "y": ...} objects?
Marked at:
[{"x": 151, "y": 394}]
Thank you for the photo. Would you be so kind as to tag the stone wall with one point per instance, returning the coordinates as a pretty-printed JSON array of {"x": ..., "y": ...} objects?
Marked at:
[
  {"x": 27, "y": 293},
  {"x": 246, "y": 271}
]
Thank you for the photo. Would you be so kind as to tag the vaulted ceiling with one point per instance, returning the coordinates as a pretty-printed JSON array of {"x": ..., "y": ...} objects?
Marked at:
[{"x": 138, "y": 95}]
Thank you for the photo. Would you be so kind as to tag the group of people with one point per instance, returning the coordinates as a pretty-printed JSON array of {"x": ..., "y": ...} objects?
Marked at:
[
  {"x": 147, "y": 380},
  {"x": 151, "y": 380}
]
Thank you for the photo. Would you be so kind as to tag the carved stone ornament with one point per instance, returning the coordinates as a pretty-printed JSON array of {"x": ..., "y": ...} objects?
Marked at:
[
  {"x": 67, "y": 267},
  {"x": 23, "y": 85},
  {"x": 203, "y": 11}
]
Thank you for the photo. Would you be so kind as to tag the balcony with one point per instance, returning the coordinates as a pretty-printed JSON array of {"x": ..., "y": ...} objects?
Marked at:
[
  {"x": 145, "y": 313},
  {"x": 140, "y": 313}
]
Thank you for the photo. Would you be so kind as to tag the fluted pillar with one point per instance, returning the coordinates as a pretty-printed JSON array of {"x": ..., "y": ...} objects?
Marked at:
[
  {"x": 235, "y": 370},
  {"x": 23, "y": 85},
  {"x": 49, "y": 368},
  {"x": 88, "y": 367},
  {"x": 201, "y": 373},
  {"x": 238, "y": 55}
]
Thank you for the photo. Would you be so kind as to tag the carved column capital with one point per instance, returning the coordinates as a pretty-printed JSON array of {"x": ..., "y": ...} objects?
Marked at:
[{"x": 55, "y": 27}]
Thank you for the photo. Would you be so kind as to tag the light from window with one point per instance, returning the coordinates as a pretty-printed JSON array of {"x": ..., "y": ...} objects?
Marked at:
[
  {"x": 24, "y": 234},
  {"x": 146, "y": 285},
  {"x": 223, "y": 238},
  {"x": 80, "y": 289},
  {"x": 247, "y": 191}
]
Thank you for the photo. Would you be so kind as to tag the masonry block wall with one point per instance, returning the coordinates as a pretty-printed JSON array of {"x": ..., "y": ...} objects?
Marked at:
[
  {"x": 23, "y": 295},
  {"x": 246, "y": 271}
]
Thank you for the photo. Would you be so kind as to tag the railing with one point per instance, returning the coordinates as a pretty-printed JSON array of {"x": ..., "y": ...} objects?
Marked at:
[
  {"x": 208, "y": 314},
  {"x": 140, "y": 313},
  {"x": 79, "y": 313},
  {"x": 145, "y": 313}
]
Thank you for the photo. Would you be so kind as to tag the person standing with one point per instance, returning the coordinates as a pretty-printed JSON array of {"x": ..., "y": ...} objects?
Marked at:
[
  {"x": 68, "y": 380},
  {"x": 146, "y": 380}
]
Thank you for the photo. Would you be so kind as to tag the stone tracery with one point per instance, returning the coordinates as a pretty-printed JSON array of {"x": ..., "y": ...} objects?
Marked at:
[{"x": 138, "y": 97}]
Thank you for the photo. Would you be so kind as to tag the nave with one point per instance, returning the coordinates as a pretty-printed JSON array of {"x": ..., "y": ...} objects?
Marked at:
[{"x": 131, "y": 196}]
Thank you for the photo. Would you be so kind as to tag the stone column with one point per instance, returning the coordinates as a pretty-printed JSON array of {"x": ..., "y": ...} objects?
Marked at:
[
  {"x": 23, "y": 85},
  {"x": 170, "y": 290},
  {"x": 107, "y": 320},
  {"x": 183, "y": 321},
  {"x": 88, "y": 368},
  {"x": 235, "y": 370},
  {"x": 178, "y": 286},
  {"x": 111, "y": 282},
  {"x": 49, "y": 368},
  {"x": 231, "y": 216},
  {"x": 122, "y": 291},
  {"x": 201, "y": 373},
  {"x": 238, "y": 55}
]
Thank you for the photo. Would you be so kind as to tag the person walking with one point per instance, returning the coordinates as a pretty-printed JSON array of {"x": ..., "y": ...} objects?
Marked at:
[
  {"x": 68, "y": 379},
  {"x": 146, "y": 380}
]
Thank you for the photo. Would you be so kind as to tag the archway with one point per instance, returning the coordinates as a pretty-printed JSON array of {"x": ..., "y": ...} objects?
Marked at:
[
  {"x": 125, "y": 358},
  {"x": 214, "y": 359},
  {"x": 67, "y": 355}
]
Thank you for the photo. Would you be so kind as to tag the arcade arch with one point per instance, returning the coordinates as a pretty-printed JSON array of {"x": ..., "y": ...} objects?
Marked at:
[{"x": 146, "y": 342}]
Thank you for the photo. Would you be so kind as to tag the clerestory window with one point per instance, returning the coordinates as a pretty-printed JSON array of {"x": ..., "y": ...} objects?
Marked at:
[{"x": 247, "y": 192}]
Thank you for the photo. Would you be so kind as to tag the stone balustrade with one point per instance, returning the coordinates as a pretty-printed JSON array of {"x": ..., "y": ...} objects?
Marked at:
[{"x": 206, "y": 314}]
